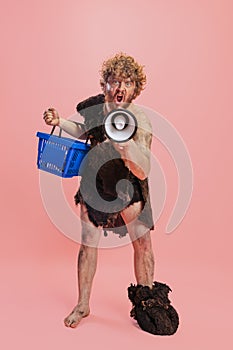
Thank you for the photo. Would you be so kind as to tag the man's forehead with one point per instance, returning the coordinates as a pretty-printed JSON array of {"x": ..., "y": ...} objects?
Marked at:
[{"x": 120, "y": 78}]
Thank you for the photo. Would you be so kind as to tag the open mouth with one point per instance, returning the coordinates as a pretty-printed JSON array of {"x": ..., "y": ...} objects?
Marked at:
[{"x": 119, "y": 98}]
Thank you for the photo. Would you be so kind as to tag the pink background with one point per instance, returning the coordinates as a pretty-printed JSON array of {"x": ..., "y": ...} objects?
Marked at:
[{"x": 51, "y": 54}]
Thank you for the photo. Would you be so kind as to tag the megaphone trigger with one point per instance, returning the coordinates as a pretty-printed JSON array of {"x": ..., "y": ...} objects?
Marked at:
[{"x": 120, "y": 125}]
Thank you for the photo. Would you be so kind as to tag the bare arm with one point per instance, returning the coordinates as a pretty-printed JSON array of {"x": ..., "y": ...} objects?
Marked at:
[{"x": 75, "y": 129}]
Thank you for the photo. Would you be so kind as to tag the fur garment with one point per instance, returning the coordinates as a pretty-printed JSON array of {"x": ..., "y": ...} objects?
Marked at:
[
  {"x": 109, "y": 174},
  {"x": 152, "y": 309}
]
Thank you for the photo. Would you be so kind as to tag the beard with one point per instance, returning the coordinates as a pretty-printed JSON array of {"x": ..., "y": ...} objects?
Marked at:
[{"x": 118, "y": 100}]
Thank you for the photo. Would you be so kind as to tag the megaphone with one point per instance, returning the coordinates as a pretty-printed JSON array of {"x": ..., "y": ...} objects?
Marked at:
[{"x": 120, "y": 125}]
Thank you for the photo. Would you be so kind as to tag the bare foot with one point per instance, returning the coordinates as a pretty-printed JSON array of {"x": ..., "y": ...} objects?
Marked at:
[{"x": 73, "y": 319}]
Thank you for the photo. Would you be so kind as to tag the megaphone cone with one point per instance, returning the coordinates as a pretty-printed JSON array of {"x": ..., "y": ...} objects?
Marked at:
[{"x": 120, "y": 125}]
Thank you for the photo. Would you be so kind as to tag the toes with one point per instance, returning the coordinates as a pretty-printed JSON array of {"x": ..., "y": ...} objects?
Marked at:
[
  {"x": 71, "y": 323},
  {"x": 74, "y": 318},
  {"x": 74, "y": 324},
  {"x": 66, "y": 322}
]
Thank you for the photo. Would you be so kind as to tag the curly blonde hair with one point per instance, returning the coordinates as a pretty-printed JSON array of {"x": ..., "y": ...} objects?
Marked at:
[{"x": 126, "y": 67}]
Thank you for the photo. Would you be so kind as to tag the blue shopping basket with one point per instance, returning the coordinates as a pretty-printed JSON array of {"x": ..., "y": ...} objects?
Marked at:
[{"x": 60, "y": 156}]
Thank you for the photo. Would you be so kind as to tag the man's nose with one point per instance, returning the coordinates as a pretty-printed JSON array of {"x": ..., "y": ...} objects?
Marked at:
[{"x": 121, "y": 86}]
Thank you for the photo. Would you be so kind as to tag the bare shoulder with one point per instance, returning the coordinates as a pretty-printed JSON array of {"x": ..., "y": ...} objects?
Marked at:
[{"x": 143, "y": 135}]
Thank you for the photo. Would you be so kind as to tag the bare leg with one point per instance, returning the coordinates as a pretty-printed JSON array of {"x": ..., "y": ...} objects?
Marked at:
[
  {"x": 87, "y": 262},
  {"x": 144, "y": 260},
  {"x": 141, "y": 240}
]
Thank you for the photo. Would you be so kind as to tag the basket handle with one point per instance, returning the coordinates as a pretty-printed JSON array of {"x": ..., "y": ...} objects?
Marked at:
[
  {"x": 53, "y": 128},
  {"x": 60, "y": 131}
]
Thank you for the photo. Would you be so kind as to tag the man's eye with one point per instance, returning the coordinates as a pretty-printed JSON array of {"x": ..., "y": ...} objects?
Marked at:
[
  {"x": 128, "y": 83},
  {"x": 115, "y": 82}
]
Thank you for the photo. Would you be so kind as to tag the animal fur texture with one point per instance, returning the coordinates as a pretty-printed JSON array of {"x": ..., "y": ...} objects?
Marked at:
[
  {"x": 152, "y": 309},
  {"x": 109, "y": 174}
]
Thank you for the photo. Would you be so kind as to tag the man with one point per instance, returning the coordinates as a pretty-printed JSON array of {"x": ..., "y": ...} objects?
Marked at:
[{"x": 122, "y": 80}]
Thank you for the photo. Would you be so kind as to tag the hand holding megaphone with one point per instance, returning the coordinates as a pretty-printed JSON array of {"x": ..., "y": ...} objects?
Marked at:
[{"x": 120, "y": 125}]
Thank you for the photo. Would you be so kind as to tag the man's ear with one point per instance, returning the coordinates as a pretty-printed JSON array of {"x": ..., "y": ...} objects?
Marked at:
[{"x": 103, "y": 86}]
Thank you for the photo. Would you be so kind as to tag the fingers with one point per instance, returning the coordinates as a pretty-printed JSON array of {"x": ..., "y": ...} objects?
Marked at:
[
  {"x": 48, "y": 117},
  {"x": 121, "y": 145},
  {"x": 51, "y": 116},
  {"x": 50, "y": 112}
]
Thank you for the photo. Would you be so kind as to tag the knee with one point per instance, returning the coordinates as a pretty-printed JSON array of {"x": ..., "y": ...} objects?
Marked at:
[
  {"x": 90, "y": 237},
  {"x": 90, "y": 233},
  {"x": 89, "y": 240}
]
